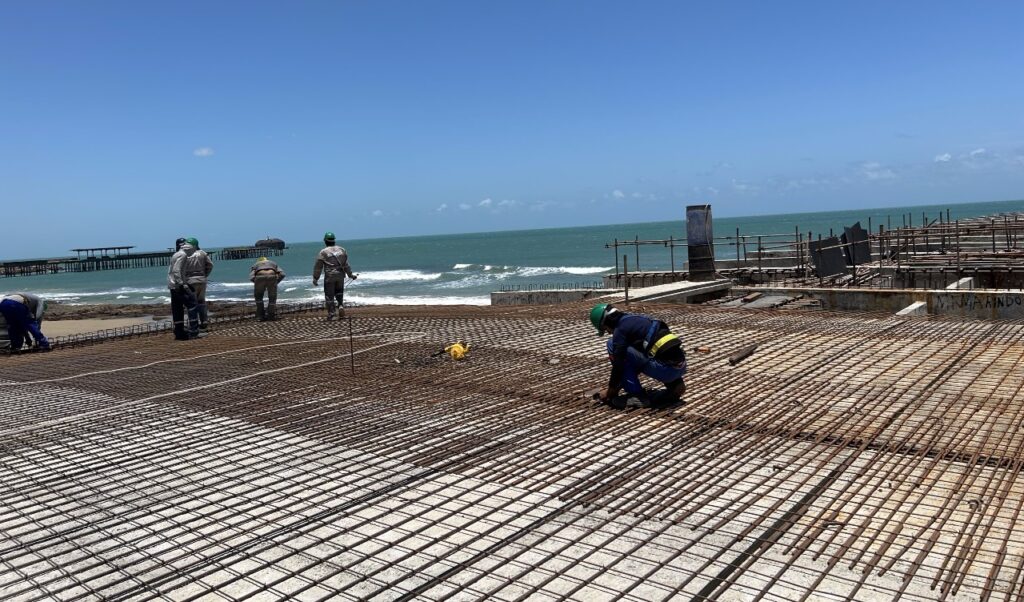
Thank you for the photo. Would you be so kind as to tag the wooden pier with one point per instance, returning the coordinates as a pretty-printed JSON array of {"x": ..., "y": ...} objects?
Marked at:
[
  {"x": 86, "y": 260},
  {"x": 232, "y": 253},
  {"x": 117, "y": 258}
]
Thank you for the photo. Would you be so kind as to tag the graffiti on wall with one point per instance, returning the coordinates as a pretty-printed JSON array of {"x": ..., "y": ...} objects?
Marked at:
[{"x": 976, "y": 302}]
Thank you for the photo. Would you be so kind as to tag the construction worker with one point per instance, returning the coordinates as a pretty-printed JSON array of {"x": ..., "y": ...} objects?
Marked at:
[
  {"x": 23, "y": 312},
  {"x": 640, "y": 345},
  {"x": 333, "y": 262},
  {"x": 264, "y": 275},
  {"x": 196, "y": 271},
  {"x": 178, "y": 284}
]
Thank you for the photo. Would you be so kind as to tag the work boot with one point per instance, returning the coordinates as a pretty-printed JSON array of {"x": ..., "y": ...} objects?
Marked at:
[
  {"x": 629, "y": 401},
  {"x": 330, "y": 317},
  {"x": 663, "y": 399}
]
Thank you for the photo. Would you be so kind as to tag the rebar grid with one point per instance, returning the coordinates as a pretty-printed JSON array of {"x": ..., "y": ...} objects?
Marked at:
[{"x": 853, "y": 457}]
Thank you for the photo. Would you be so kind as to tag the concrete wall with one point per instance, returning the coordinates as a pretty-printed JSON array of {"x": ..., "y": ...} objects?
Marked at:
[
  {"x": 643, "y": 279},
  {"x": 547, "y": 297},
  {"x": 988, "y": 304}
]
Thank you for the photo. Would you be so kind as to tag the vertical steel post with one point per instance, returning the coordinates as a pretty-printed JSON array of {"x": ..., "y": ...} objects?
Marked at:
[
  {"x": 672, "y": 254},
  {"x": 821, "y": 280},
  {"x": 796, "y": 241},
  {"x": 615, "y": 251},
  {"x": 958, "y": 249},
  {"x": 351, "y": 349},
  {"x": 625, "y": 274}
]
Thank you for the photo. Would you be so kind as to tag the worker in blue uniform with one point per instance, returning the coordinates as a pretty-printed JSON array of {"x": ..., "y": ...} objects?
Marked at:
[
  {"x": 23, "y": 312},
  {"x": 640, "y": 345}
]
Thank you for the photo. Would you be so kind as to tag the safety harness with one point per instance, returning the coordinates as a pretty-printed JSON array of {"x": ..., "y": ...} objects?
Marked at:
[{"x": 652, "y": 346}]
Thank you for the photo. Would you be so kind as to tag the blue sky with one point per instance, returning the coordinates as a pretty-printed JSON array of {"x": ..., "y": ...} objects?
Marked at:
[{"x": 132, "y": 122}]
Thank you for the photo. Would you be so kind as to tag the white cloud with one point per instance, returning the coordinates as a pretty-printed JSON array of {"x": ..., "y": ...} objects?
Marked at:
[
  {"x": 636, "y": 195},
  {"x": 485, "y": 203},
  {"x": 744, "y": 187},
  {"x": 465, "y": 206},
  {"x": 377, "y": 213},
  {"x": 978, "y": 153},
  {"x": 943, "y": 158},
  {"x": 203, "y": 151},
  {"x": 618, "y": 194},
  {"x": 442, "y": 207},
  {"x": 507, "y": 203},
  {"x": 875, "y": 171}
]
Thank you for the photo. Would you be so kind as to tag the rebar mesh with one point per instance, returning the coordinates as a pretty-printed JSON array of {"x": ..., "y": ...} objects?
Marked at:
[{"x": 852, "y": 457}]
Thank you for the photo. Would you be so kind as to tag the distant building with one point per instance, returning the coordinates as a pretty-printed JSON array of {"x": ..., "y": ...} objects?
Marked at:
[{"x": 271, "y": 243}]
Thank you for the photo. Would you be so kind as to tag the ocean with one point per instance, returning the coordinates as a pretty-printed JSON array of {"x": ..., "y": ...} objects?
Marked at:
[{"x": 466, "y": 268}]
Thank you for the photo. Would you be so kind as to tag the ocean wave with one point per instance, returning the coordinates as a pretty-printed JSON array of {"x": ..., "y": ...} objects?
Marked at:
[
  {"x": 579, "y": 271},
  {"x": 396, "y": 276},
  {"x": 528, "y": 271},
  {"x": 472, "y": 280},
  {"x": 415, "y": 300},
  {"x": 353, "y": 299}
]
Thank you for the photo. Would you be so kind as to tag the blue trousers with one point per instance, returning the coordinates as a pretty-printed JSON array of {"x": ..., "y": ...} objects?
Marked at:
[
  {"x": 637, "y": 363},
  {"x": 20, "y": 322}
]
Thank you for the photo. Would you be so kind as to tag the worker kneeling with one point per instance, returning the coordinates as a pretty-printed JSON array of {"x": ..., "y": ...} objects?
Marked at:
[{"x": 640, "y": 345}]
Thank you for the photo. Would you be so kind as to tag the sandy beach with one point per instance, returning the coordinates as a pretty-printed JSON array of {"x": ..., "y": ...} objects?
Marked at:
[{"x": 58, "y": 328}]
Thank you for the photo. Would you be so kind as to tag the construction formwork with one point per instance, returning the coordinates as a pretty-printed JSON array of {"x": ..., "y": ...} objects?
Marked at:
[
  {"x": 853, "y": 456},
  {"x": 932, "y": 255}
]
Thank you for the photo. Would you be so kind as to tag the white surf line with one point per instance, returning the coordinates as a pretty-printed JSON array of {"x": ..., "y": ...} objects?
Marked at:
[
  {"x": 196, "y": 357},
  {"x": 56, "y": 421}
]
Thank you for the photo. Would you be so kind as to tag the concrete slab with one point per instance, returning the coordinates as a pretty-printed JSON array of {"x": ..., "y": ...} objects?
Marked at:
[
  {"x": 917, "y": 308},
  {"x": 677, "y": 292}
]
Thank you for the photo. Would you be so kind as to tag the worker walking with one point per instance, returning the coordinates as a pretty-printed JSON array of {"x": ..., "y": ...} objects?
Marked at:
[
  {"x": 333, "y": 262},
  {"x": 23, "y": 313},
  {"x": 264, "y": 275},
  {"x": 196, "y": 271},
  {"x": 640, "y": 345}
]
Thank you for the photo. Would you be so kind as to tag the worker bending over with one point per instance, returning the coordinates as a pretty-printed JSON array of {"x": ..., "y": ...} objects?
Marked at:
[
  {"x": 264, "y": 275},
  {"x": 640, "y": 345},
  {"x": 23, "y": 312}
]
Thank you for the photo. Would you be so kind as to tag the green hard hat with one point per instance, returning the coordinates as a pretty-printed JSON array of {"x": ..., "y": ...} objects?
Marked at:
[
  {"x": 597, "y": 314},
  {"x": 192, "y": 241},
  {"x": 328, "y": 235}
]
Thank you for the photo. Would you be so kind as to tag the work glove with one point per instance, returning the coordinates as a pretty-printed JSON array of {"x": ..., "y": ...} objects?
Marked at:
[
  {"x": 354, "y": 276},
  {"x": 316, "y": 282}
]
